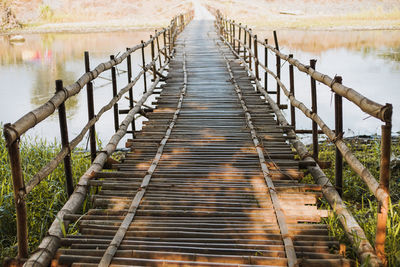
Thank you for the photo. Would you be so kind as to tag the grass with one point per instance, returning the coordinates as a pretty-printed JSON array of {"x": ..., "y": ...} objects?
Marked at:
[
  {"x": 43, "y": 202},
  {"x": 361, "y": 203}
]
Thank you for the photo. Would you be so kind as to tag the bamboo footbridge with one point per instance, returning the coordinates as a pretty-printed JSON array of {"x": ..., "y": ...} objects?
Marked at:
[{"x": 212, "y": 179}]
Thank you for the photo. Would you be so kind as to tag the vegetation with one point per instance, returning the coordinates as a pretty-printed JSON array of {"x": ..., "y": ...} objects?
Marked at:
[
  {"x": 360, "y": 200},
  {"x": 43, "y": 202}
]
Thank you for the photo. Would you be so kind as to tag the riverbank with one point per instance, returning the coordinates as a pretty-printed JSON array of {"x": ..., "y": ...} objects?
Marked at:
[{"x": 68, "y": 16}]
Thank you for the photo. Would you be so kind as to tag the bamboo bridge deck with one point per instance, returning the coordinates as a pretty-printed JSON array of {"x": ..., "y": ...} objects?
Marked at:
[{"x": 210, "y": 179}]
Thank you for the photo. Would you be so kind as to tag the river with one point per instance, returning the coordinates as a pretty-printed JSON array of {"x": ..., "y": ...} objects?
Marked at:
[{"x": 368, "y": 61}]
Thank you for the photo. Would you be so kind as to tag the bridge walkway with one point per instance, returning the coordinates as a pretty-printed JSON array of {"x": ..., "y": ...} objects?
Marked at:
[{"x": 210, "y": 179}]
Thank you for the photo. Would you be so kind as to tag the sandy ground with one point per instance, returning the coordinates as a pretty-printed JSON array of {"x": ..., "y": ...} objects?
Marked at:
[{"x": 99, "y": 15}]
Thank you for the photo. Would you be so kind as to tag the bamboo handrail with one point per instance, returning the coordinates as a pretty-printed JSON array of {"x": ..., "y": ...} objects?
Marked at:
[
  {"x": 51, "y": 242},
  {"x": 382, "y": 112},
  {"x": 364, "y": 249}
]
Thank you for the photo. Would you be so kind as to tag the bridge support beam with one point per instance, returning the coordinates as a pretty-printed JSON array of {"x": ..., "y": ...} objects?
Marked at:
[
  {"x": 90, "y": 103},
  {"x": 339, "y": 134},
  {"x": 314, "y": 110}
]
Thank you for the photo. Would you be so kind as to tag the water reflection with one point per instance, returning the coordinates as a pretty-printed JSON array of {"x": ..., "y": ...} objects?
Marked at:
[{"x": 367, "y": 60}]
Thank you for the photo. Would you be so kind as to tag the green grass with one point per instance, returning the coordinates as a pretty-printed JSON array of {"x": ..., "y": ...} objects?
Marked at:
[
  {"x": 43, "y": 202},
  {"x": 361, "y": 202}
]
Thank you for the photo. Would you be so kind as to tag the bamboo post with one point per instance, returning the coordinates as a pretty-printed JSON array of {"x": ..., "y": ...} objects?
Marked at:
[
  {"x": 169, "y": 41},
  {"x": 90, "y": 102},
  {"x": 339, "y": 133},
  {"x": 239, "y": 37},
  {"x": 114, "y": 90},
  {"x": 314, "y": 110},
  {"x": 233, "y": 35},
  {"x": 278, "y": 71},
  {"x": 256, "y": 57},
  {"x": 19, "y": 201},
  {"x": 152, "y": 57},
  {"x": 245, "y": 42},
  {"x": 250, "y": 50},
  {"x": 165, "y": 45},
  {"x": 129, "y": 68},
  {"x": 384, "y": 184},
  {"x": 144, "y": 65},
  {"x": 266, "y": 65},
  {"x": 158, "y": 48},
  {"x": 292, "y": 108},
  {"x": 64, "y": 141}
]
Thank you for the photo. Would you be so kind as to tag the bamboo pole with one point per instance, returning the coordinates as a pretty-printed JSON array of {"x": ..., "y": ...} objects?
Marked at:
[
  {"x": 292, "y": 108},
  {"x": 314, "y": 110},
  {"x": 19, "y": 201},
  {"x": 339, "y": 134},
  {"x": 131, "y": 105},
  {"x": 352, "y": 228},
  {"x": 90, "y": 102},
  {"x": 256, "y": 57},
  {"x": 114, "y": 92},
  {"x": 384, "y": 184},
  {"x": 64, "y": 141}
]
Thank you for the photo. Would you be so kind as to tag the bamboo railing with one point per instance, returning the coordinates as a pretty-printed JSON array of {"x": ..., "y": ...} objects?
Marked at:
[
  {"x": 246, "y": 50},
  {"x": 77, "y": 194}
]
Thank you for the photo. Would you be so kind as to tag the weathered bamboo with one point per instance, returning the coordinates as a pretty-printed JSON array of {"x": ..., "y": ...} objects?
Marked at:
[
  {"x": 339, "y": 134},
  {"x": 256, "y": 57},
  {"x": 120, "y": 234},
  {"x": 51, "y": 242},
  {"x": 384, "y": 184},
  {"x": 152, "y": 56},
  {"x": 129, "y": 73},
  {"x": 239, "y": 37},
  {"x": 288, "y": 243},
  {"x": 62, "y": 117},
  {"x": 278, "y": 71},
  {"x": 364, "y": 249},
  {"x": 158, "y": 49},
  {"x": 250, "y": 51},
  {"x": 114, "y": 92},
  {"x": 143, "y": 66},
  {"x": 19, "y": 201},
  {"x": 49, "y": 167},
  {"x": 384, "y": 113},
  {"x": 291, "y": 82},
  {"x": 314, "y": 109},
  {"x": 265, "y": 64},
  {"x": 90, "y": 103}
]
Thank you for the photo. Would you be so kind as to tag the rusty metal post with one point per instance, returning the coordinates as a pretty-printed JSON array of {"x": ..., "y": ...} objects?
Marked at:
[
  {"x": 152, "y": 57},
  {"x": 239, "y": 38},
  {"x": 158, "y": 49},
  {"x": 266, "y": 65},
  {"x": 384, "y": 179},
  {"x": 114, "y": 90},
  {"x": 278, "y": 71},
  {"x": 144, "y": 66},
  {"x": 129, "y": 67},
  {"x": 339, "y": 133},
  {"x": 292, "y": 108},
  {"x": 250, "y": 50},
  {"x": 314, "y": 110},
  {"x": 90, "y": 102},
  {"x": 64, "y": 141},
  {"x": 19, "y": 201},
  {"x": 165, "y": 45},
  {"x": 256, "y": 57}
]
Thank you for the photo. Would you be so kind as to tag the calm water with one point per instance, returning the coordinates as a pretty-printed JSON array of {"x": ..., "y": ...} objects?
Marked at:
[{"x": 368, "y": 61}]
